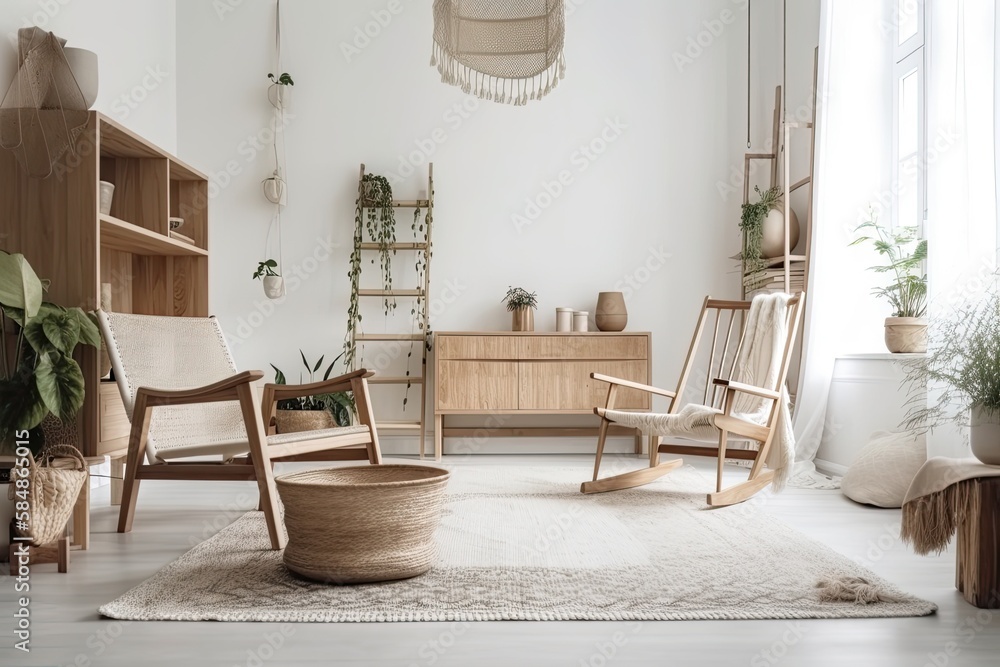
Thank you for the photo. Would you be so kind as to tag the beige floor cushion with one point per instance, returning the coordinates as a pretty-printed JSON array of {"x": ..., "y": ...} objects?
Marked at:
[{"x": 884, "y": 468}]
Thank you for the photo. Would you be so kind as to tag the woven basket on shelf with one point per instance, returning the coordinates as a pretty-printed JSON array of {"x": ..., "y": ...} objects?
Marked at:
[
  {"x": 296, "y": 421},
  {"x": 362, "y": 523},
  {"x": 54, "y": 486}
]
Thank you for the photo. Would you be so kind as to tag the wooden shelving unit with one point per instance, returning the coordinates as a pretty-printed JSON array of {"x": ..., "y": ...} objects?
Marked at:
[
  {"x": 419, "y": 294},
  {"x": 56, "y": 223}
]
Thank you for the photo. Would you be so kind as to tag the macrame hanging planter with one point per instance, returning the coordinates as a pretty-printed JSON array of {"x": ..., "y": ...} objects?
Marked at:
[{"x": 507, "y": 51}]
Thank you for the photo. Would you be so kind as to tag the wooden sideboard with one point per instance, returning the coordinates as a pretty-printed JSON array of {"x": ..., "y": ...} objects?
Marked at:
[{"x": 525, "y": 373}]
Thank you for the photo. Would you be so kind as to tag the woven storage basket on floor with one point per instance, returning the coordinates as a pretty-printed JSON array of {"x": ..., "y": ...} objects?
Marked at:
[
  {"x": 54, "y": 486},
  {"x": 362, "y": 523}
]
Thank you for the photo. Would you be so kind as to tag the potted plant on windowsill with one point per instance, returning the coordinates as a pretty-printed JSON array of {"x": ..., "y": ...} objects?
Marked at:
[
  {"x": 963, "y": 368},
  {"x": 313, "y": 413},
  {"x": 522, "y": 304},
  {"x": 41, "y": 385},
  {"x": 274, "y": 284},
  {"x": 905, "y": 252}
]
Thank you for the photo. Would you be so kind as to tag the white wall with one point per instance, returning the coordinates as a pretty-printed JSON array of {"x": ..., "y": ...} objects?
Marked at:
[{"x": 135, "y": 42}]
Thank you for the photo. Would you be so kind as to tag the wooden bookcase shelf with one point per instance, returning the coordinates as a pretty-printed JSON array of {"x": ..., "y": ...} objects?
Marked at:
[{"x": 56, "y": 223}]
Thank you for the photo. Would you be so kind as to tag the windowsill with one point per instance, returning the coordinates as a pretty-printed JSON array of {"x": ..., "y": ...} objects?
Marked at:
[{"x": 882, "y": 356}]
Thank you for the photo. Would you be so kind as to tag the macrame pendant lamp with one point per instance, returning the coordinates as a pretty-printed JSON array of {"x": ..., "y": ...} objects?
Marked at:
[{"x": 507, "y": 51}]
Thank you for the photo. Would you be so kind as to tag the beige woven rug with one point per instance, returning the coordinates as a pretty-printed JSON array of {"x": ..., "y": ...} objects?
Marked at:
[{"x": 521, "y": 543}]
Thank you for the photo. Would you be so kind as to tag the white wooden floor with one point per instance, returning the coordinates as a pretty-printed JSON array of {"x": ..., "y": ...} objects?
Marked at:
[{"x": 66, "y": 630}]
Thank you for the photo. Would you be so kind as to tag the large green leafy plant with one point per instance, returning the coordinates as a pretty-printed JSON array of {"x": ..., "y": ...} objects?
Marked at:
[
  {"x": 905, "y": 253},
  {"x": 340, "y": 404},
  {"x": 39, "y": 375}
]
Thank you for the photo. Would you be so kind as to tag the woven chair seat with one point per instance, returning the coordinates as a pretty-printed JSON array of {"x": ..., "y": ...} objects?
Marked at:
[{"x": 239, "y": 446}]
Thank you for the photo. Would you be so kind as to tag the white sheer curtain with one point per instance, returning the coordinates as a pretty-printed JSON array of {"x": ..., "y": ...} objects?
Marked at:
[
  {"x": 853, "y": 170},
  {"x": 962, "y": 66}
]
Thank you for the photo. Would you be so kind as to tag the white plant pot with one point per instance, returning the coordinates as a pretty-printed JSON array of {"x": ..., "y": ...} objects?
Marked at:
[
  {"x": 83, "y": 64},
  {"x": 275, "y": 190},
  {"x": 906, "y": 334},
  {"x": 984, "y": 435},
  {"x": 107, "y": 194},
  {"x": 274, "y": 287},
  {"x": 280, "y": 96}
]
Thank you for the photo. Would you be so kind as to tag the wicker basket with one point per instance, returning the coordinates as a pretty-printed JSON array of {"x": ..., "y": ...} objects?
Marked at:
[
  {"x": 362, "y": 523},
  {"x": 295, "y": 421},
  {"x": 54, "y": 486}
]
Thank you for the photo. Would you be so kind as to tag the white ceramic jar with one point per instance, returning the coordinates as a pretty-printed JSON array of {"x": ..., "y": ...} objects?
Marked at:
[
  {"x": 580, "y": 320},
  {"x": 564, "y": 319}
]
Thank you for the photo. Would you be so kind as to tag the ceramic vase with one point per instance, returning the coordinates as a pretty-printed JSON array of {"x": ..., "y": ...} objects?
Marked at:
[
  {"x": 83, "y": 64},
  {"x": 274, "y": 287},
  {"x": 772, "y": 243},
  {"x": 906, "y": 334},
  {"x": 611, "y": 314},
  {"x": 984, "y": 435}
]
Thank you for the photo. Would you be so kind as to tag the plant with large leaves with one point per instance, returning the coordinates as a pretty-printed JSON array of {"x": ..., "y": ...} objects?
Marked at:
[
  {"x": 39, "y": 375},
  {"x": 340, "y": 404}
]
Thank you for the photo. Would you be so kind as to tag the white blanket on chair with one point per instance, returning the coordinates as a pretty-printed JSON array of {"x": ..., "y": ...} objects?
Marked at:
[{"x": 759, "y": 364}]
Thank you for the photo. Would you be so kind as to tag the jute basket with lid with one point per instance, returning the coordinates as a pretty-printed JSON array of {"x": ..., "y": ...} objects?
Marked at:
[{"x": 360, "y": 524}]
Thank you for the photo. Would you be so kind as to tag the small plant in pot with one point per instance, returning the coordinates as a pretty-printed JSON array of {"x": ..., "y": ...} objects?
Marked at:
[
  {"x": 963, "y": 370},
  {"x": 274, "y": 284},
  {"x": 41, "y": 385},
  {"x": 763, "y": 226},
  {"x": 313, "y": 413},
  {"x": 279, "y": 93},
  {"x": 905, "y": 252},
  {"x": 522, "y": 304}
]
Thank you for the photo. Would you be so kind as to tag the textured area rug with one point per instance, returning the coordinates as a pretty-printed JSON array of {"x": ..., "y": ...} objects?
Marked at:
[{"x": 522, "y": 543}]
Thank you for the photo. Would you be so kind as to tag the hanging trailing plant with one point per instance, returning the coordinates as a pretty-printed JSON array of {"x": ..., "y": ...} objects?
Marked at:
[
  {"x": 752, "y": 225},
  {"x": 418, "y": 310},
  {"x": 374, "y": 214}
]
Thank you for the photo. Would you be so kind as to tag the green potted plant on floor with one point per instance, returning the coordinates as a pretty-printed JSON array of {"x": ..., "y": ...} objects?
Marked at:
[
  {"x": 313, "y": 413},
  {"x": 41, "y": 385},
  {"x": 905, "y": 253},
  {"x": 522, "y": 304}
]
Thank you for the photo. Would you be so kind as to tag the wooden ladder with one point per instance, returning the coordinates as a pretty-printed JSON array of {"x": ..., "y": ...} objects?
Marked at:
[{"x": 419, "y": 294}]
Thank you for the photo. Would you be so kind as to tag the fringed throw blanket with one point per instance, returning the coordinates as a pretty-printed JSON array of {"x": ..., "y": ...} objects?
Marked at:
[
  {"x": 507, "y": 51},
  {"x": 939, "y": 499},
  {"x": 759, "y": 364}
]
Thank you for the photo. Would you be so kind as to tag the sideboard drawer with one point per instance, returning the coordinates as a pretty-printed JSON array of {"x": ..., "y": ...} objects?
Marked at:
[
  {"x": 582, "y": 347},
  {"x": 477, "y": 385},
  {"x": 476, "y": 347},
  {"x": 567, "y": 385}
]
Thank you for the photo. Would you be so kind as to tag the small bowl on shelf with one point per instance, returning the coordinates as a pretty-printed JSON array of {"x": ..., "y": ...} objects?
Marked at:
[{"x": 175, "y": 223}]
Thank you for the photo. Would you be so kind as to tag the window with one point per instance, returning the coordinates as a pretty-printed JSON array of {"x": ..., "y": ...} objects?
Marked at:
[{"x": 909, "y": 144}]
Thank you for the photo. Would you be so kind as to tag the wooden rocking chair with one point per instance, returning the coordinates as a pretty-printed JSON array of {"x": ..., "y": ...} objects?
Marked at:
[
  {"x": 722, "y": 387},
  {"x": 186, "y": 399}
]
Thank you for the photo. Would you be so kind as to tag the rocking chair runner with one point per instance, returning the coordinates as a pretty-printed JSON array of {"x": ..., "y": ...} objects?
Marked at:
[
  {"x": 182, "y": 367},
  {"x": 737, "y": 405}
]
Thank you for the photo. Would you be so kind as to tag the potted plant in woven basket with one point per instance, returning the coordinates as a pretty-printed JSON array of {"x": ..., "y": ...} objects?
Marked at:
[
  {"x": 313, "y": 413},
  {"x": 905, "y": 252},
  {"x": 522, "y": 304},
  {"x": 41, "y": 385}
]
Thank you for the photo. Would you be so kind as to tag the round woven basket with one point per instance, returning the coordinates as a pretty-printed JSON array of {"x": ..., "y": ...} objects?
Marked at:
[
  {"x": 362, "y": 523},
  {"x": 295, "y": 421}
]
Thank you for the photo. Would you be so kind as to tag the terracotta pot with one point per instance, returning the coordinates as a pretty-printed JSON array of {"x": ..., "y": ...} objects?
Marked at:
[
  {"x": 906, "y": 334},
  {"x": 984, "y": 435},
  {"x": 295, "y": 421},
  {"x": 523, "y": 319},
  {"x": 611, "y": 314},
  {"x": 772, "y": 243}
]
